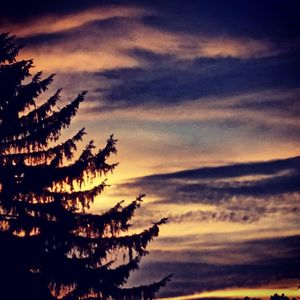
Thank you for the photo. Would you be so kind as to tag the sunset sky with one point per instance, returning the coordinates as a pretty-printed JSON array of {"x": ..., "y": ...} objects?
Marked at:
[{"x": 204, "y": 98}]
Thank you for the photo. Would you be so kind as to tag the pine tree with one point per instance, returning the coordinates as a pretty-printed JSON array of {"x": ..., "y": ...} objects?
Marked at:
[{"x": 50, "y": 246}]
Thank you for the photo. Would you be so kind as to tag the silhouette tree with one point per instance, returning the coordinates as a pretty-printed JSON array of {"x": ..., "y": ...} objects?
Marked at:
[
  {"x": 277, "y": 297},
  {"x": 50, "y": 247}
]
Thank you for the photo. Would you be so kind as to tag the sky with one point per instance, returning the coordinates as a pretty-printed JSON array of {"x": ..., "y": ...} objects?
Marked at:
[{"x": 203, "y": 97}]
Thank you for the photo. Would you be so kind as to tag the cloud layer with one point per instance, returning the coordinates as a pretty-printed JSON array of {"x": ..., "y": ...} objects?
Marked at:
[
  {"x": 240, "y": 193},
  {"x": 246, "y": 249},
  {"x": 183, "y": 84}
]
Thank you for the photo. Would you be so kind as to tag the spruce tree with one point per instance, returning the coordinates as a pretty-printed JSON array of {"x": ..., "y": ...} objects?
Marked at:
[{"x": 51, "y": 247}]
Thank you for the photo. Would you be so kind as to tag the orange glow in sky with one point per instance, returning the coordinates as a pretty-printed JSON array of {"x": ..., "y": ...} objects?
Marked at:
[{"x": 239, "y": 293}]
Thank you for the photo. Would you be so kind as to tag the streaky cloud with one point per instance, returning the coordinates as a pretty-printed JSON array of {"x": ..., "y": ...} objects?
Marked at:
[
  {"x": 115, "y": 31},
  {"x": 253, "y": 263},
  {"x": 53, "y": 23},
  {"x": 258, "y": 19},
  {"x": 235, "y": 170},
  {"x": 196, "y": 79},
  {"x": 241, "y": 193}
]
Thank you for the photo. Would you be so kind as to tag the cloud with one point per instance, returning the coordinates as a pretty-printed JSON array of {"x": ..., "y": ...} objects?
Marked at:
[
  {"x": 110, "y": 33},
  {"x": 219, "y": 250},
  {"x": 245, "y": 212},
  {"x": 155, "y": 74},
  {"x": 281, "y": 106},
  {"x": 269, "y": 168},
  {"x": 258, "y": 168},
  {"x": 167, "y": 80},
  {"x": 56, "y": 23},
  {"x": 268, "y": 19},
  {"x": 258, "y": 20},
  {"x": 222, "y": 120},
  {"x": 254, "y": 263},
  {"x": 217, "y": 216},
  {"x": 33, "y": 9},
  {"x": 113, "y": 52},
  {"x": 240, "y": 193}
]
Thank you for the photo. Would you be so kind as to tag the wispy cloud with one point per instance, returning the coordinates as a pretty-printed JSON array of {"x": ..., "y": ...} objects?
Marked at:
[
  {"x": 281, "y": 107},
  {"x": 248, "y": 264},
  {"x": 241, "y": 193},
  {"x": 48, "y": 24},
  {"x": 103, "y": 37},
  {"x": 196, "y": 79}
]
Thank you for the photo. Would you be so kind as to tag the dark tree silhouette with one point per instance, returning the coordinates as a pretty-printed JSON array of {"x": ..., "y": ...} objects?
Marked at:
[
  {"x": 50, "y": 247},
  {"x": 277, "y": 297}
]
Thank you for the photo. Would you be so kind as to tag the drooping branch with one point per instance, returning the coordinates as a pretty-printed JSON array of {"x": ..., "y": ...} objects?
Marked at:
[
  {"x": 40, "y": 113},
  {"x": 111, "y": 222},
  {"x": 80, "y": 200},
  {"x": 97, "y": 248},
  {"x": 88, "y": 164},
  {"x": 29, "y": 92},
  {"x": 52, "y": 204},
  {"x": 62, "y": 151},
  {"x": 8, "y": 48},
  {"x": 101, "y": 278},
  {"x": 144, "y": 292},
  {"x": 93, "y": 250},
  {"x": 11, "y": 76},
  {"x": 37, "y": 137},
  {"x": 63, "y": 205}
]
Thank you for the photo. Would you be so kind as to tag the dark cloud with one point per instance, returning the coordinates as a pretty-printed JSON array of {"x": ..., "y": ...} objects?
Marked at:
[
  {"x": 79, "y": 37},
  {"x": 222, "y": 249},
  {"x": 241, "y": 193},
  {"x": 234, "y": 216},
  {"x": 218, "y": 191},
  {"x": 23, "y": 11},
  {"x": 194, "y": 186},
  {"x": 236, "y": 170},
  {"x": 245, "y": 211},
  {"x": 254, "y": 19},
  {"x": 165, "y": 79},
  {"x": 287, "y": 105},
  {"x": 193, "y": 277},
  {"x": 246, "y": 264},
  {"x": 170, "y": 81},
  {"x": 278, "y": 20}
]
